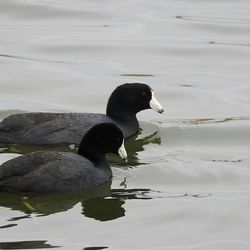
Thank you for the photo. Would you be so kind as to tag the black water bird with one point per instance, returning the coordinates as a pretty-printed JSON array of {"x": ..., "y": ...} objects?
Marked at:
[
  {"x": 45, "y": 172},
  {"x": 68, "y": 128}
]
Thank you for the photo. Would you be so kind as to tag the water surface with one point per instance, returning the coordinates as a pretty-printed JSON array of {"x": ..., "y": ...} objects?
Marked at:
[{"x": 187, "y": 182}]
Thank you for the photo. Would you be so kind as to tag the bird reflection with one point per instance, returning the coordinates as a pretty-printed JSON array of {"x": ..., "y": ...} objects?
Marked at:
[
  {"x": 45, "y": 204},
  {"x": 110, "y": 208},
  {"x": 102, "y": 203},
  {"x": 103, "y": 209},
  {"x": 133, "y": 146}
]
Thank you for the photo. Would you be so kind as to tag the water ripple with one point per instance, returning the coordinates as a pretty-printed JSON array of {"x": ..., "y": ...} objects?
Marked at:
[
  {"x": 30, "y": 58},
  {"x": 211, "y": 120},
  {"x": 230, "y": 44},
  {"x": 216, "y": 20}
]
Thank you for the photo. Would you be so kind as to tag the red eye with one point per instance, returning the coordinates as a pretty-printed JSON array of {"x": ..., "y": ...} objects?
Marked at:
[{"x": 143, "y": 93}]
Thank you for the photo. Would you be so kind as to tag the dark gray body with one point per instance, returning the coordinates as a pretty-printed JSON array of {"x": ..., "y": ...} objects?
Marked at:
[
  {"x": 56, "y": 128},
  {"x": 52, "y": 172}
]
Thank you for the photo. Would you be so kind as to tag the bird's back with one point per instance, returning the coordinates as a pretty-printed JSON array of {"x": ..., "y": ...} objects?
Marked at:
[
  {"x": 51, "y": 172},
  {"x": 48, "y": 128}
]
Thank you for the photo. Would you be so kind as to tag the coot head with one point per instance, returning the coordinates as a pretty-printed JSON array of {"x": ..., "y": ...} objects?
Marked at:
[
  {"x": 130, "y": 98},
  {"x": 102, "y": 139}
]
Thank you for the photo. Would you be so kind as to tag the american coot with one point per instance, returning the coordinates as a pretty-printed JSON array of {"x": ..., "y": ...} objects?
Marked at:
[
  {"x": 64, "y": 171},
  {"x": 67, "y": 128}
]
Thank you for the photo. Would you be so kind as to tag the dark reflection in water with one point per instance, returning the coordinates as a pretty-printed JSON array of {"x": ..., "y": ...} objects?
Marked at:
[
  {"x": 103, "y": 209},
  {"x": 19, "y": 217},
  {"x": 134, "y": 193},
  {"x": 186, "y": 85},
  {"x": 45, "y": 204},
  {"x": 110, "y": 208},
  {"x": 133, "y": 146},
  {"x": 8, "y": 225},
  {"x": 137, "y": 75},
  {"x": 34, "y": 244},
  {"x": 94, "y": 248},
  {"x": 101, "y": 203}
]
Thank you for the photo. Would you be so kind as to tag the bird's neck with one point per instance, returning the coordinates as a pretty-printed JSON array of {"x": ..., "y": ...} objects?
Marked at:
[
  {"x": 121, "y": 114},
  {"x": 98, "y": 158}
]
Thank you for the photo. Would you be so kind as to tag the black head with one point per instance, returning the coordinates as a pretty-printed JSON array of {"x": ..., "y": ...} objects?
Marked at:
[
  {"x": 102, "y": 139},
  {"x": 130, "y": 98}
]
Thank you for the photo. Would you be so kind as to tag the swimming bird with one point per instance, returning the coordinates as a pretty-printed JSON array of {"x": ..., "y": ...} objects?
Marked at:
[
  {"x": 68, "y": 128},
  {"x": 44, "y": 172}
]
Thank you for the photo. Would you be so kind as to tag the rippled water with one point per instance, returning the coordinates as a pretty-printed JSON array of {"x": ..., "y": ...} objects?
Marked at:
[{"x": 187, "y": 182}]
